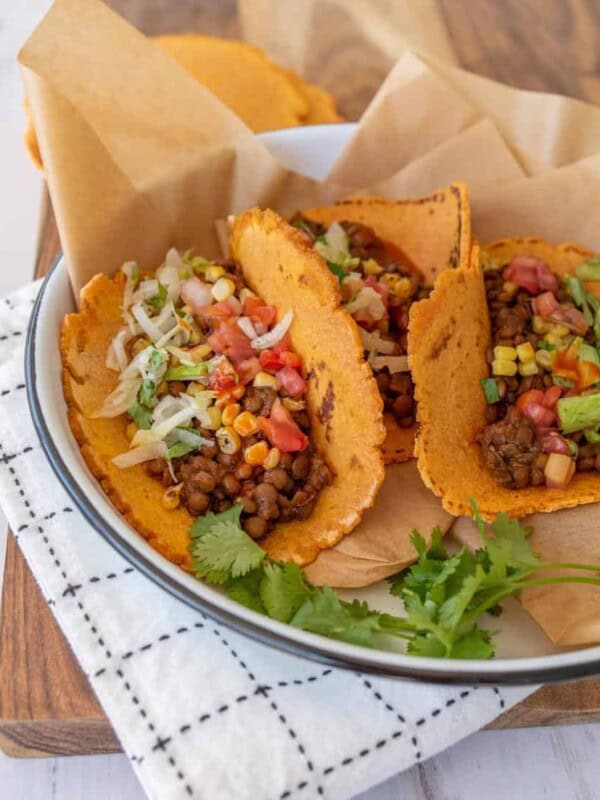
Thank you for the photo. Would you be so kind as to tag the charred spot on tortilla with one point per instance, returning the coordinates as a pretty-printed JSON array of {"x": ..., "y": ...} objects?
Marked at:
[{"x": 327, "y": 406}]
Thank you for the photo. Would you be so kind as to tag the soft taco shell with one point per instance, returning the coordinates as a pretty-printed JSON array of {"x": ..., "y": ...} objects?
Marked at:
[
  {"x": 453, "y": 330},
  {"x": 343, "y": 401},
  {"x": 434, "y": 232}
]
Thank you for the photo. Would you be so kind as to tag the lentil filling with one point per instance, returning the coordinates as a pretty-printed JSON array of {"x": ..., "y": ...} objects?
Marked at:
[
  {"x": 378, "y": 283},
  {"x": 214, "y": 395},
  {"x": 543, "y": 397}
]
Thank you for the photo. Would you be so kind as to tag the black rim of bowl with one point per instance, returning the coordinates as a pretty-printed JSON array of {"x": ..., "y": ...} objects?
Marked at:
[{"x": 253, "y": 630}]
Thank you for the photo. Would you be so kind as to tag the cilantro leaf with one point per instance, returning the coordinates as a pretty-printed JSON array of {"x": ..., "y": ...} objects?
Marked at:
[
  {"x": 283, "y": 590},
  {"x": 246, "y": 590},
  {"x": 474, "y": 644},
  {"x": 141, "y": 415},
  {"x": 339, "y": 272},
  {"x": 220, "y": 549},
  {"x": 146, "y": 393},
  {"x": 158, "y": 301},
  {"x": 180, "y": 449},
  {"x": 326, "y": 614}
]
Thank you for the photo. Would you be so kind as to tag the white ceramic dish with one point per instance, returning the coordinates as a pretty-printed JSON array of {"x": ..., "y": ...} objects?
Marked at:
[{"x": 524, "y": 653}]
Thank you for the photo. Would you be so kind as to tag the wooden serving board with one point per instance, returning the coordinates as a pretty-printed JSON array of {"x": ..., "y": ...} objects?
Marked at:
[{"x": 47, "y": 706}]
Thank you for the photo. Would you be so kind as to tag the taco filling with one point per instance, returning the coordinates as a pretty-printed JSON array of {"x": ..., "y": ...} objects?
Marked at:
[
  {"x": 215, "y": 395},
  {"x": 543, "y": 392},
  {"x": 378, "y": 284}
]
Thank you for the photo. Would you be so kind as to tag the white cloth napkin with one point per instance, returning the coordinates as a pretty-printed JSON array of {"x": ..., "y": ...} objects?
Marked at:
[{"x": 200, "y": 710}]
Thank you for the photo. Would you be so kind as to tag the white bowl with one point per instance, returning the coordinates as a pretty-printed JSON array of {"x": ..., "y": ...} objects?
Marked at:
[{"x": 524, "y": 653}]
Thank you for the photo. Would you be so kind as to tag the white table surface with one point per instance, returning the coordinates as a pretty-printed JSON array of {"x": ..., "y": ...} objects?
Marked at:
[{"x": 552, "y": 763}]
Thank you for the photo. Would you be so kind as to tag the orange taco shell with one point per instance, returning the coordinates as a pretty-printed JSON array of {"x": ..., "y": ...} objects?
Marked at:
[
  {"x": 433, "y": 232},
  {"x": 342, "y": 401},
  {"x": 453, "y": 330}
]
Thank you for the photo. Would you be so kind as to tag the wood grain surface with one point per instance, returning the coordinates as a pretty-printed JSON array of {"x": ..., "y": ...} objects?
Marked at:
[{"x": 46, "y": 704}]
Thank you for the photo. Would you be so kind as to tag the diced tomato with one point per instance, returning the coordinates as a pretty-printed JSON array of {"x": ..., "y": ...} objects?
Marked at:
[
  {"x": 552, "y": 396},
  {"x": 283, "y": 344},
  {"x": 291, "y": 380},
  {"x": 544, "y": 304},
  {"x": 223, "y": 377},
  {"x": 553, "y": 442},
  {"x": 281, "y": 430},
  {"x": 273, "y": 362},
  {"x": 530, "y": 404},
  {"x": 567, "y": 364},
  {"x": 532, "y": 396},
  {"x": 215, "y": 311},
  {"x": 258, "y": 311},
  {"x": 531, "y": 274},
  {"x": 570, "y": 316},
  {"x": 381, "y": 288},
  {"x": 248, "y": 369},
  {"x": 230, "y": 340},
  {"x": 289, "y": 359}
]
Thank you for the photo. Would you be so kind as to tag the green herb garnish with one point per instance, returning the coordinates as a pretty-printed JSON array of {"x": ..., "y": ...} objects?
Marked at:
[
  {"x": 490, "y": 388},
  {"x": 444, "y": 594},
  {"x": 196, "y": 263},
  {"x": 339, "y": 272},
  {"x": 589, "y": 270},
  {"x": 146, "y": 393},
  {"x": 158, "y": 301},
  {"x": 141, "y": 415},
  {"x": 303, "y": 226},
  {"x": 180, "y": 449}
]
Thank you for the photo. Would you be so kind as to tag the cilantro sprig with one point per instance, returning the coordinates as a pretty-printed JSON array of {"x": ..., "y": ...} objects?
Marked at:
[{"x": 444, "y": 594}]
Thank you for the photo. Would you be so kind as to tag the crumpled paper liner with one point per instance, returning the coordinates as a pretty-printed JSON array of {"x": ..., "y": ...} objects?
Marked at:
[{"x": 137, "y": 165}]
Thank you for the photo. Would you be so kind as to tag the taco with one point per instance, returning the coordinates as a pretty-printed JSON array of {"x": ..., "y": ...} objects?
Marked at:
[
  {"x": 508, "y": 383},
  {"x": 386, "y": 257},
  {"x": 207, "y": 384}
]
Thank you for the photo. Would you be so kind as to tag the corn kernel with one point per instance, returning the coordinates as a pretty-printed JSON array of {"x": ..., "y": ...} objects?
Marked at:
[
  {"x": 294, "y": 405},
  {"x": 256, "y": 454},
  {"x": 272, "y": 460},
  {"x": 139, "y": 345},
  {"x": 505, "y": 353},
  {"x": 199, "y": 353},
  {"x": 223, "y": 289},
  {"x": 555, "y": 340},
  {"x": 525, "y": 352},
  {"x": 163, "y": 389},
  {"x": 509, "y": 288},
  {"x": 371, "y": 267},
  {"x": 131, "y": 430},
  {"x": 231, "y": 395},
  {"x": 245, "y": 423},
  {"x": 540, "y": 325},
  {"x": 263, "y": 379},
  {"x": 245, "y": 294},
  {"x": 214, "y": 419},
  {"x": 504, "y": 367},
  {"x": 170, "y": 498},
  {"x": 195, "y": 388},
  {"x": 228, "y": 440},
  {"x": 559, "y": 330},
  {"x": 213, "y": 273},
  {"x": 528, "y": 368},
  {"x": 229, "y": 413},
  {"x": 543, "y": 359},
  {"x": 195, "y": 336}
]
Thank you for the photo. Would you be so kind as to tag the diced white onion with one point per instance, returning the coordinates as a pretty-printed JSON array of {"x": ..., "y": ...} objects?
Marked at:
[
  {"x": 393, "y": 363},
  {"x": 191, "y": 437},
  {"x": 196, "y": 293},
  {"x": 145, "y": 291},
  {"x": 335, "y": 246},
  {"x": 138, "y": 455},
  {"x": 367, "y": 299},
  {"x": 184, "y": 356},
  {"x": 271, "y": 338},
  {"x": 147, "y": 325},
  {"x": 158, "y": 431},
  {"x": 374, "y": 341},
  {"x": 116, "y": 357},
  {"x": 166, "y": 337},
  {"x": 119, "y": 400},
  {"x": 245, "y": 325},
  {"x": 235, "y": 305}
]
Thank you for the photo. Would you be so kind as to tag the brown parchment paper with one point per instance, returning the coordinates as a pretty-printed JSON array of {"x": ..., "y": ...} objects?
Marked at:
[{"x": 139, "y": 157}]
